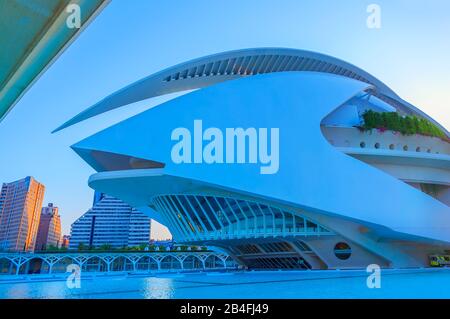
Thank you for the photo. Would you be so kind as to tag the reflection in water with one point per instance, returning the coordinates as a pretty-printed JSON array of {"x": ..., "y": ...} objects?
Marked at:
[
  {"x": 158, "y": 288},
  {"x": 278, "y": 284}
]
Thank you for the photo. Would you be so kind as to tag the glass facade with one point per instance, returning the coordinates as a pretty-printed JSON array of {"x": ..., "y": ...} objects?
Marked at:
[
  {"x": 198, "y": 217},
  {"x": 110, "y": 222}
]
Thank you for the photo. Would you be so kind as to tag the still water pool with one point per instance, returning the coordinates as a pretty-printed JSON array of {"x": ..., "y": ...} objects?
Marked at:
[{"x": 434, "y": 283}]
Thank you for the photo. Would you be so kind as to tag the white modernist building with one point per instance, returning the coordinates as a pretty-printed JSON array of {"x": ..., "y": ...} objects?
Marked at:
[{"x": 267, "y": 160}]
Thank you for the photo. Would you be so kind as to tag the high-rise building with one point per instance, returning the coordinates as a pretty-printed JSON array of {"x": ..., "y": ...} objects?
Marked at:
[
  {"x": 20, "y": 210},
  {"x": 49, "y": 231},
  {"x": 65, "y": 241},
  {"x": 110, "y": 222}
]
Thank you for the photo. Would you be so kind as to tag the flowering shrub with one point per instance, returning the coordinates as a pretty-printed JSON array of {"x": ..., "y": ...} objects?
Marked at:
[{"x": 406, "y": 125}]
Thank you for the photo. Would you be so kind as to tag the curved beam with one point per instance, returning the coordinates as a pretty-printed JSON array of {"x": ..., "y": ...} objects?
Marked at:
[{"x": 231, "y": 65}]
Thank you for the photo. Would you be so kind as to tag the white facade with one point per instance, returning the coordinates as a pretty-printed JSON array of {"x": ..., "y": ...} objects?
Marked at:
[{"x": 339, "y": 198}]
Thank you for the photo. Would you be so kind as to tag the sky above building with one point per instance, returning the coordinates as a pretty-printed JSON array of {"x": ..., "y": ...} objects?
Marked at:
[{"x": 132, "y": 39}]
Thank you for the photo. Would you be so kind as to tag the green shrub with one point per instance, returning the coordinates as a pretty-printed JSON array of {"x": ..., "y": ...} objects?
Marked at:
[
  {"x": 406, "y": 125},
  {"x": 105, "y": 247}
]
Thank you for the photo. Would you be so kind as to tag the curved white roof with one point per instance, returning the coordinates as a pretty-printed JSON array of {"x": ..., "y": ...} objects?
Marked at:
[
  {"x": 33, "y": 35},
  {"x": 212, "y": 69}
]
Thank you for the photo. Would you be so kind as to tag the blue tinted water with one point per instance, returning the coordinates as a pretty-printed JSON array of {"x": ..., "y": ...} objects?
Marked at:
[{"x": 276, "y": 284}]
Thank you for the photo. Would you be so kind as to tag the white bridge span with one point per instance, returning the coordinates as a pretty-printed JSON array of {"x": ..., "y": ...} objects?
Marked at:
[{"x": 50, "y": 263}]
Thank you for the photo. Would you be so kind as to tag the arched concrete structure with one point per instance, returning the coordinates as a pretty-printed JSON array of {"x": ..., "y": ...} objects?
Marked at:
[
  {"x": 11, "y": 263},
  {"x": 331, "y": 184},
  {"x": 231, "y": 65}
]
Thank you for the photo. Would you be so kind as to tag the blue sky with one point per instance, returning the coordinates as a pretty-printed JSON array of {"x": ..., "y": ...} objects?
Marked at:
[{"x": 132, "y": 39}]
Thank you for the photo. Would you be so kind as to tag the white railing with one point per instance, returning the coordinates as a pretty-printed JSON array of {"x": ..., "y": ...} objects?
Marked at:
[
  {"x": 48, "y": 263},
  {"x": 352, "y": 137}
]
